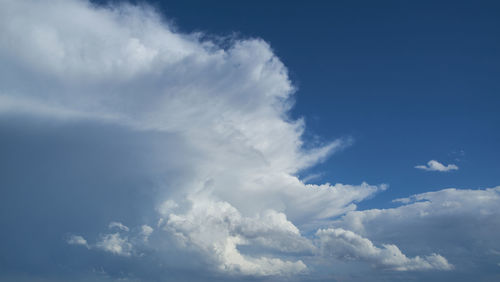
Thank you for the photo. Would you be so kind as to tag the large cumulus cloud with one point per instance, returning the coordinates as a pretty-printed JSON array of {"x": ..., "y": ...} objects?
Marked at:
[{"x": 224, "y": 176}]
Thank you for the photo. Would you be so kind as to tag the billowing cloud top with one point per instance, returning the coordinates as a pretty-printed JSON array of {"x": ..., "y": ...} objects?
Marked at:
[{"x": 221, "y": 179}]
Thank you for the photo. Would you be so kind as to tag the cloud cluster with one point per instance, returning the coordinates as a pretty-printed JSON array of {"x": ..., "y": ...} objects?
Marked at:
[
  {"x": 434, "y": 165},
  {"x": 217, "y": 228},
  {"x": 116, "y": 243},
  {"x": 118, "y": 225}
]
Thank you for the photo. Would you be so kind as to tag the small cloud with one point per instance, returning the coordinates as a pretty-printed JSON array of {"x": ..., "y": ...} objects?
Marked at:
[
  {"x": 118, "y": 225},
  {"x": 77, "y": 240},
  {"x": 115, "y": 244},
  {"x": 434, "y": 165},
  {"x": 146, "y": 231}
]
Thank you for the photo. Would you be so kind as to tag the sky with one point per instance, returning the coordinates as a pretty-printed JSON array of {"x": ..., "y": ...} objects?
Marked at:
[{"x": 249, "y": 141}]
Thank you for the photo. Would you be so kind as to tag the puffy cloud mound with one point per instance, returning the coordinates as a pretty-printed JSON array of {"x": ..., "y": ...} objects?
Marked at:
[{"x": 218, "y": 228}]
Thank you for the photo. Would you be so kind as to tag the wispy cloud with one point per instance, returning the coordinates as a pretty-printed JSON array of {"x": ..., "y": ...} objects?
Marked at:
[
  {"x": 434, "y": 165},
  {"x": 119, "y": 225}
]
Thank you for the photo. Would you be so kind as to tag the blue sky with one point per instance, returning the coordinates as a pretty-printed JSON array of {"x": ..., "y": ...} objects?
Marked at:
[{"x": 249, "y": 141}]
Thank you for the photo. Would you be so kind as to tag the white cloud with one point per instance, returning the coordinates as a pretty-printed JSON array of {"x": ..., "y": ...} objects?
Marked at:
[
  {"x": 119, "y": 225},
  {"x": 434, "y": 165},
  {"x": 347, "y": 245},
  {"x": 146, "y": 231},
  {"x": 77, "y": 240},
  {"x": 217, "y": 228},
  {"x": 115, "y": 244}
]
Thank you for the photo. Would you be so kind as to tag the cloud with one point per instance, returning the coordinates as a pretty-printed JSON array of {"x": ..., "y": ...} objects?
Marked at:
[
  {"x": 347, "y": 245},
  {"x": 460, "y": 223},
  {"x": 146, "y": 231},
  {"x": 77, "y": 240},
  {"x": 217, "y": 228},
  {"x": 433, "y": 165},
  {"x": 115, "y": 244},
  {"x": 118, "y": 225}
]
